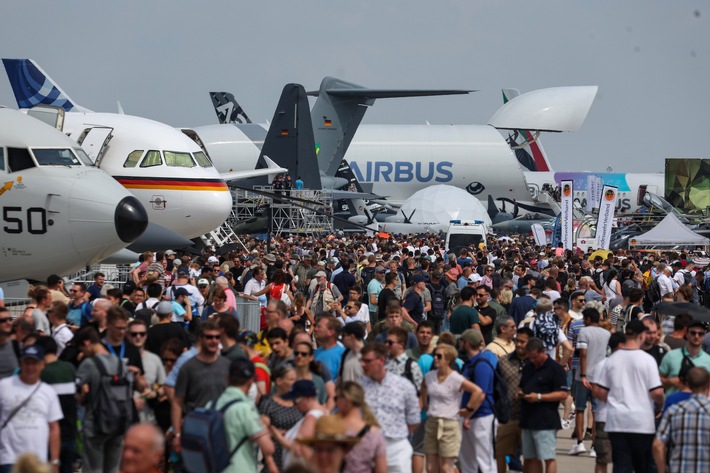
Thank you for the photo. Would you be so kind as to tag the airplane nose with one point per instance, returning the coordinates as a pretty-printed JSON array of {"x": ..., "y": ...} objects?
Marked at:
[{"x": 131, "y": 219}]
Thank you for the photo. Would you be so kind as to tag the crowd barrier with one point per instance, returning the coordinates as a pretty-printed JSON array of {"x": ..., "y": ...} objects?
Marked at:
[{"x": 249, "y": 313}]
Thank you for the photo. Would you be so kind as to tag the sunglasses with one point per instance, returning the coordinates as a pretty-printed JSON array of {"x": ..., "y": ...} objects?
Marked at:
[
  {"x": 73, "y": 291},
  {"x": 390, "y": 342},
  {"x": 210, "y": 337},
  {"x": 137, "y": 334},
  {"x": 169, "y": 360},
  {"x": 438, "y": 356},
  {"x": 696, "y": 334},
  {"x": 348, "y": 307},
  {"x": 5, "y": 320},
  {"x": 301, "y": 353}
]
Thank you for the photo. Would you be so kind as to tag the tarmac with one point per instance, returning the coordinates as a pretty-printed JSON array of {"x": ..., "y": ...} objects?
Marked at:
[{"x": 567, "y": 463}]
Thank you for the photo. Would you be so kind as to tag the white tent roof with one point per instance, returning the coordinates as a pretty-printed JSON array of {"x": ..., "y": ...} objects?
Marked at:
[{"x": 670, "y": 232}]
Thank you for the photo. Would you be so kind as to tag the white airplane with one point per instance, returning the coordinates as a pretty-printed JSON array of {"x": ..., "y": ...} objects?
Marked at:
[
  {"x": 168, "y": 172},
  {"x": 59, "y": 212},
  {"x": 398, "y": 160}
]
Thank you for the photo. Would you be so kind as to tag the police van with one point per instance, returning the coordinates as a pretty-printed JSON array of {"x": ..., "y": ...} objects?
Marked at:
[{"x": 465, "y": 234}]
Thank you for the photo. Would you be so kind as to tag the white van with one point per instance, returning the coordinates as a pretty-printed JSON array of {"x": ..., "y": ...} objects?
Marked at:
[{"x": 465, "y": 234}]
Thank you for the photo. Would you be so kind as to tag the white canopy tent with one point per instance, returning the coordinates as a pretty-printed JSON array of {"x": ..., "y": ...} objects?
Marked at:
[{"x": 670, "y": 232}]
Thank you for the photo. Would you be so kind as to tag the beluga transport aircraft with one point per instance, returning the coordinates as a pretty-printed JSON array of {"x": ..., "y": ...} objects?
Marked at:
[
  {"x": 168, "y": 172},
  {"x": 59, "y": 211}
]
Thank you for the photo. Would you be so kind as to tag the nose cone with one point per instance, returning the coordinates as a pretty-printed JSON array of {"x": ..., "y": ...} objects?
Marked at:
[{"x": 131, "y": 219}]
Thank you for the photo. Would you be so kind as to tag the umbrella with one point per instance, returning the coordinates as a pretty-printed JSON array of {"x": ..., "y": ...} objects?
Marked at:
[
  {"x": 505, "y": 238},
  {"x": 603, "y": 253},
  {"x": 696, "y": 311},
  {"x": 383, "y": 235}
]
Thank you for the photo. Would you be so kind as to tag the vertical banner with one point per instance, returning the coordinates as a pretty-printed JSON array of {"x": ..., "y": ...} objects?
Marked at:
[
  {"x": 567, "y": 216},
  {"x": 606, "y": 216},
  {"x": 539, "y": 234},
  {"x": 590, "y": 192}
]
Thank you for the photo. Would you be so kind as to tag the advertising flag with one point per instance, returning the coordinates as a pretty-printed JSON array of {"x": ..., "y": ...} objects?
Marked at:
[
  {"x": 539, "y": 234},
  {"x": 606, "y": 215},
  {"x": 567, "y": 216}
]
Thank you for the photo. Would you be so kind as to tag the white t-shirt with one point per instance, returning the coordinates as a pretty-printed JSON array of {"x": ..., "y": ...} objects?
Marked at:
[
  {"x": 445, "y": 397},
  {"x": 28, "y": 430},
  {"x": 630, "y": 376},
  {"x": 561, "y": 338},
  {"x": 61, "y": 334},
  {"x": 593, "y": 377}
]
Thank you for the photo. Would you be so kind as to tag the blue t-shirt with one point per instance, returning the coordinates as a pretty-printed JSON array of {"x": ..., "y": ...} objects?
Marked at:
[
  {"x": 79, "y": 315},
  {"x": 482, "y": 376},
  {"x": 331, "y": 357},
  {"x": 675, "y": 398}
]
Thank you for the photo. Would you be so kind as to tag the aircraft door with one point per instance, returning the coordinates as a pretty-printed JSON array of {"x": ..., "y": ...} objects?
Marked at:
[
  {"x": 52, "y": 116},
  {"x": 94, "y": 140}
]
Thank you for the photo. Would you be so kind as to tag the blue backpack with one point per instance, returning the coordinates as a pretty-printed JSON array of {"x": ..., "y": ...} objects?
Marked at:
[{"x": 204, "y": 439}]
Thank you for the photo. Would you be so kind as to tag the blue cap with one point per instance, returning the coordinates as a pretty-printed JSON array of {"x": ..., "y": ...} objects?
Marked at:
[
  {"x": 33, "y": 351},
  {"x": 301, "y": 388}
]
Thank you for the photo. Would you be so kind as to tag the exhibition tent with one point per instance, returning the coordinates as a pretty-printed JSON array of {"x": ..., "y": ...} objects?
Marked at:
[{"x": 670, "y": 232}]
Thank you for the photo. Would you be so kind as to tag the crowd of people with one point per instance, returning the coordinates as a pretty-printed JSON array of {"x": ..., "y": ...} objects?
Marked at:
[{"x": 374, "y": 355}]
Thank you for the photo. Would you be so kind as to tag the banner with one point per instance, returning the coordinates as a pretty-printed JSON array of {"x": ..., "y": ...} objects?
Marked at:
[
  {"x": 596, "y": 191},
  {"x": 567, "y": 215},
  {"x": 606, "y": 215},
  {"x": 590, "y": 193},
  {"x": 539, "y": 234}
]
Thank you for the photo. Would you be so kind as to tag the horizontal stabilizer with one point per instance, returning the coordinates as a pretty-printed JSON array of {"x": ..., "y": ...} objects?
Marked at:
[
  {"x": 337, "y": 194},
  {"x": 555, "y": 109},
  {"x": 271, "y": 169},
  {"x": 390, "y": 93}
]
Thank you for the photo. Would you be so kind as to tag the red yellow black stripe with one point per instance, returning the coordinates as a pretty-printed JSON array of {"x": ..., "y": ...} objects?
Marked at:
[{"x": 171, "y": 183}]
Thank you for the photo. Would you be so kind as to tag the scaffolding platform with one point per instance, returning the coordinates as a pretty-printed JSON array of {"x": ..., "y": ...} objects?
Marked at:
[{"x": 311, "y": 215}]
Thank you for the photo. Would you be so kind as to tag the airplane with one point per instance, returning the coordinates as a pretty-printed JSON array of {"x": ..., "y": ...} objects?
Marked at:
[
  {"x": 168, "y": 172},
  {"x": 397, "y": 160},
  {"x": 59, "y": 211},
  {"x": 539, "y": 174}
]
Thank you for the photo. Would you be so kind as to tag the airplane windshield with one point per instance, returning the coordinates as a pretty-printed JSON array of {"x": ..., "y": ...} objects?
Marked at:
[
  {"x": 83, "y": 157},
  {"x": 55, "y": 157},
  {"x": 178, "y": 160},
  {"x": 203, "y": 160},
  {"x": 133, "y": 158},
  {"x": 152, "y": 158}
]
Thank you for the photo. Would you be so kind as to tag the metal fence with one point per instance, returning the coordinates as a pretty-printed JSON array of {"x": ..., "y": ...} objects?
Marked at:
[
  {"x": 249, "y": 313},
  {"x": 16, "y": 306}
]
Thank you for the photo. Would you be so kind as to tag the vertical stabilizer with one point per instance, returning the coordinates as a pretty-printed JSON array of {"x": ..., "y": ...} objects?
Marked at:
[
  {"x": 32, "y": 86},
  {"x": 527, "y": 149},
  {"x": 227, "y": 108}
]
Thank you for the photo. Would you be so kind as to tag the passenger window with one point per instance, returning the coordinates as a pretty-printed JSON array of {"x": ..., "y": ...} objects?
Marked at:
[
  {"x": 152, "y": 158},
  {"x": 203, "y": 160},
  {"x": 2, "y": 159},
  {"x": 133, "y": 158},
  {"x": 19, "y": 159},
  {"x": 178, "y": 160}
]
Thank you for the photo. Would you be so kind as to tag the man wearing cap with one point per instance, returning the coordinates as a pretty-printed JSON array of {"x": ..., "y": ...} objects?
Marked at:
[
  {"x": 631, "y": 387},
  {"x": 323, "y": 294},
  {"x": 29, "y": 413},
  {"x": 692, "y": 352},
  {"x": 165, "y": 329},
  {"x": 465, "y": 316},
  {"x": 522, "y": 304},
  {"x": 414, "y": 303},
  {"x": 478, "y": 431},
  {"x": 374, "y": 287},
  {"x": 197, "y": 300},
  {"x": 242, "y": 422}
]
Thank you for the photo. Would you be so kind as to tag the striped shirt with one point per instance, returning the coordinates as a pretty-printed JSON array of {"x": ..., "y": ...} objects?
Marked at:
[{"x": 685, "y": 430}]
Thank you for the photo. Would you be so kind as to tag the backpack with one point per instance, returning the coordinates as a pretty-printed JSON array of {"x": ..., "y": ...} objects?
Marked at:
[
  {"x": 114, "y": 401},
  {"x": 146, "y": 313},
  {"x": 455, "y": 298},
  {"x": 502, "y": 407},
  {"x": 204, "y": 439},
  {"x": 438, "y": 302},
  {"x": 366, "y": 275},
  {"x": 687, "y": 277},
  {"x": 546, "y": 328},
  {"x": 653, "y": 294},
  {"x": 408, "y": 372}
]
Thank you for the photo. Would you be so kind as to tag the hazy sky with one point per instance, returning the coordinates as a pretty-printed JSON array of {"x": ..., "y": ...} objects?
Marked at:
[{"x": 650, "y": 59}]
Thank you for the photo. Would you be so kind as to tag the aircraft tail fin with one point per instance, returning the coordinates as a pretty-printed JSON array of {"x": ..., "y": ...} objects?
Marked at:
[
  {"x": 339, "y": 110},
  {"x": 228, "y": 109},
  {"x": 289, "y": 141},
  {"x": 32, "y": 86},
  {"x": 527, "y": 149}
]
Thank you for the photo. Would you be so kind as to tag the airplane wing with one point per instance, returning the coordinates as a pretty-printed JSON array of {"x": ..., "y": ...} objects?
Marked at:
[
  {"x": 271, "y": 169},
  {"x": 337, "y": 194}
]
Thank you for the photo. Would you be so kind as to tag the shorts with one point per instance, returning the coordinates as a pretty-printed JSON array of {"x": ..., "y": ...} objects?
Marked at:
[
  {"x": 570, "y": 378},
  {"x": 581, "y": 396},
  {"x": 442, "y": 437},
  {"x": 417, "y": 440},
  {"x": 602, "y": 444},
  {"x": 539, "y": 444},
  {"x": 508, "y": 438}
]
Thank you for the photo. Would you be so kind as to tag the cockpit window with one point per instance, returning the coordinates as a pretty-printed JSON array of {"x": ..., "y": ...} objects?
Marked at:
[
  {"x": 203, "y": 160},
  {"x": 133, "y": 158},
  {"x": 55, "y": 157},
  {"x": 152, "y": 158},
  {"x": 83, "y": 157},
  {"x": 178, "y": 160},
  {"x": 19, "y": 159}
]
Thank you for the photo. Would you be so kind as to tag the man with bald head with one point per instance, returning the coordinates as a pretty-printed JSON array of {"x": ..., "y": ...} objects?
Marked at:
[{"x": 142, "y": 449}]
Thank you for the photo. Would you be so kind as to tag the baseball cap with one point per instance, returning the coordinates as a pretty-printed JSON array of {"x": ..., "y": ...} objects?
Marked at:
[
  {"x": 473, "y": 337},
  {"x": 180, "y": 291},
  {"x": 164, "y": 307},
  {"x": 379, "y": 269},
  {"x": 33, "y": 351},
  {"x": 203, "y": 282},
  {"x": 183, "y": 271},
  {"x": 213, "y": 259},
  {"x": 248, "y": 338},
  {"x": 320, "y": 274},
  {"x": 241, "y": 368},
  {"x": 635, "y": 327},
  {"x": 417, "y": 278},
  {"x": 301, "y": 388},
  {"x": 169, "y": 253},
  {"x": 475, "y": 277}
]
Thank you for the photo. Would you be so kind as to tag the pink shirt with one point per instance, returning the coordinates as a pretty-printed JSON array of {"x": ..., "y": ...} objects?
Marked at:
[{"x": 445, "y": 397}]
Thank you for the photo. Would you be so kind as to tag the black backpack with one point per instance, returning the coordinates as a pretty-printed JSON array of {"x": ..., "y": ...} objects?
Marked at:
[
  {"x": 502, "y": 407},
  {"x": 114, "y": 401},
  {"x": 146, "y": 313},
  {"x": 438, "y": 302},
  {"x": 408, "y": 372}
]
